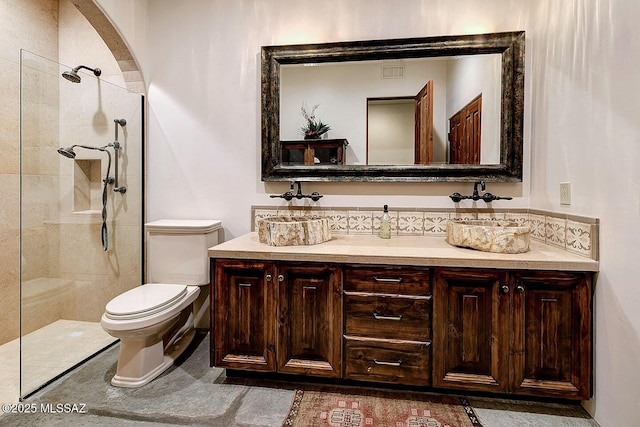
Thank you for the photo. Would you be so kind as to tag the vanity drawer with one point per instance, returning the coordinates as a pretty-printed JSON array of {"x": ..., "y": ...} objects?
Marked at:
[
  {"x": 386, "y": 316},
  {"x": 391, "y": 280},
  {"x": 389, "y": 361}
]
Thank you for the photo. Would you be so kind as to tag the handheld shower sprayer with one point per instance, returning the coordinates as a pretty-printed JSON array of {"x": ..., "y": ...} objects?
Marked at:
[{"x": 74, "y": 77}]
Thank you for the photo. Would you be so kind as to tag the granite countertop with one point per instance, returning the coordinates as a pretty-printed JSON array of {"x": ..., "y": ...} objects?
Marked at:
[{"x": 403, "y": 250}]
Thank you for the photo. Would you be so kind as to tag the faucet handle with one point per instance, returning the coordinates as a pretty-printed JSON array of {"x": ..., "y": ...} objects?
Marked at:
[
  {"x": 315, "y": 196},
  {"x": 488, "y": 197},
  {"x": 456, "y": 197}
]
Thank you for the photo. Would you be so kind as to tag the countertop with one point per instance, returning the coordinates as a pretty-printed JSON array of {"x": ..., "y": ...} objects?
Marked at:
[{"x": 403, "y": 250}]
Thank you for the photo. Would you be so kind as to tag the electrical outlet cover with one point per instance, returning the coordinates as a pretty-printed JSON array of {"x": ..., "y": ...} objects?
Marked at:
[{"x": 565, "y": 193}]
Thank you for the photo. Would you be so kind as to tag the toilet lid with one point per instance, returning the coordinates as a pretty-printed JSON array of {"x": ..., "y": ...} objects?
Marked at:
[{"x": 144, "y": 300}]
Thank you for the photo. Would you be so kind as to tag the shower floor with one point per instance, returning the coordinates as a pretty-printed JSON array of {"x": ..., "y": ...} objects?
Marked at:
[{"x": 47, "y": 352}]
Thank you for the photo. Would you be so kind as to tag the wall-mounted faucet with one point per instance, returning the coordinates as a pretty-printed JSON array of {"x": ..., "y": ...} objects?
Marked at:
[
  {"x": 486, "y": 197},
  {"x": 288, "y": 196}
]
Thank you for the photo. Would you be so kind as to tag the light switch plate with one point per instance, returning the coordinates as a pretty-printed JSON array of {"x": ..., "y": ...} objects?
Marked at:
[{"x": 565, "y": 193}]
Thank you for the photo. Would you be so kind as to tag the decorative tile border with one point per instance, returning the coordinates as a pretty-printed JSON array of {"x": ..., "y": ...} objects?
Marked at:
[{"x": 575, "y": 234}]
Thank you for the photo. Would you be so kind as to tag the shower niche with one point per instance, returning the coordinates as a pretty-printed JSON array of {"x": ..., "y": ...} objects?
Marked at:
[{"x": 87, "y": 186}]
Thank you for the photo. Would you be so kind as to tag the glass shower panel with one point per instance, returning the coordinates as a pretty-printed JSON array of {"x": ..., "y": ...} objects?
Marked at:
[{"x": 67, "y": 276}]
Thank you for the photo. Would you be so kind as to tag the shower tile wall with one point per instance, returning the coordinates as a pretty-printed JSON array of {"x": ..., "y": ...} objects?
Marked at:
[
  {"x": 33, "y": 25},
  {"x": 65, "y": 249}
]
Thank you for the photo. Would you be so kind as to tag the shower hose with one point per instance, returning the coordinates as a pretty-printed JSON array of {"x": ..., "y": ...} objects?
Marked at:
[{"x": 106, "y": 182}]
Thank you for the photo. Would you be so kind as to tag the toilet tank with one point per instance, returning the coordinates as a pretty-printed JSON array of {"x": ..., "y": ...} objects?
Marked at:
[{"x": 177, "y": 250}]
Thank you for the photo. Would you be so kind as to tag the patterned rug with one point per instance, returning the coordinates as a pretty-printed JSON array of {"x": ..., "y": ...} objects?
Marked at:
[{"x": 333, "y": 406}]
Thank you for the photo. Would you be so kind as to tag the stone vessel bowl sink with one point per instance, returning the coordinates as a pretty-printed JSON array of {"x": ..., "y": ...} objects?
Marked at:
[
  {"x": 504, "y": 237},
  {"x": 293, "y": 231}
]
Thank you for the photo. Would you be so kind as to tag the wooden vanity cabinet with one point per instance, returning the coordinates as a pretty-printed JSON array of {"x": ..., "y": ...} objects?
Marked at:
[
  {"x": 278, "y": 317},
  {"x": 244, "y": 313},
  {"x": 501, "y": 331},
  {"x": 551, "y": 336},
  {"x": 387, "y": 332},
  {"x": 309, "y": 319},
  {"x": 521, "y": 332},
  {"x": 471, "y": 328}
]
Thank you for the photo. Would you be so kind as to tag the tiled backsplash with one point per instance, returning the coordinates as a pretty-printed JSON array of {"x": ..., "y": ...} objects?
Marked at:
[{"x": 579, "y": 235}]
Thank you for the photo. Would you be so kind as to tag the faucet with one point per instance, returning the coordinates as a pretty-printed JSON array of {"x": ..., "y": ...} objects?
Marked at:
[
  {"x": 486, "y": 197},
  {"x": 288, "y": 196},
  {"x": 483, "y": 186}
]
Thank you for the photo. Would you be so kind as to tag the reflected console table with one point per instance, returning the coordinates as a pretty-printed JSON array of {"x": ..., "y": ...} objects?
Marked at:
[{"x": 313, "y": 151}]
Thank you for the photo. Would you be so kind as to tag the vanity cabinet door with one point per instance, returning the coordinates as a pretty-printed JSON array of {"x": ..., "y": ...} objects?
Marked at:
[
  {"x": 244, "y": 327},
  {"x": 552, "y": 334},
  {"x": 471, "y": 329},
  {"x": 309, "y": 319}
]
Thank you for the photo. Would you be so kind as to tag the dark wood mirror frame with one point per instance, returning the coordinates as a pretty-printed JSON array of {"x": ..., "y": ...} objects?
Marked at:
[{"x": 509, "y": 44}]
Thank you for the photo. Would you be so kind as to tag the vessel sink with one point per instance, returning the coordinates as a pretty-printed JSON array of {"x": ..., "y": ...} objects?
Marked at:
[
  {"x": 505, "y": 237},
  {"x": 292, "y": 230}
]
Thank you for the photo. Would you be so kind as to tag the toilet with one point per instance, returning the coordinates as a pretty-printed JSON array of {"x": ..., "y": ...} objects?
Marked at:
[{"x": 156, "y": 322}]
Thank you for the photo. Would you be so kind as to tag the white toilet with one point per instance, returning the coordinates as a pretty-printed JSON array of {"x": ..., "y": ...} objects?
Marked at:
[{"x": 156, "y": 321}]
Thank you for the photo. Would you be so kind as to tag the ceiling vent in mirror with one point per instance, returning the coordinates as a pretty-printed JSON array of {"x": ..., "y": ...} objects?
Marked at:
[{"x": 393, "y": 71}]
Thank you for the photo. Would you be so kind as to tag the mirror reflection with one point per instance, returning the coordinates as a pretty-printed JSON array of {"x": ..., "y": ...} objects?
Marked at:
[{"x": 399, "y": 112}]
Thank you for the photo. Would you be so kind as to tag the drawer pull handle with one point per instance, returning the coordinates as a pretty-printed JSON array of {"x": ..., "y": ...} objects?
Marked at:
[
  {"x": 312, "y": 288},
  {"x": 382, "y": 317},
  {"x": 387, "y": 279},
  {"x": 244, "y": 285},
  {"x": 387, "y": 363}
]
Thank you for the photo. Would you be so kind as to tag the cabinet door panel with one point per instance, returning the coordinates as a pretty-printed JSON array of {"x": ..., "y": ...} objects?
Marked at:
[
  {"x": 309, "y": 315},
  {"x": 552, "y": 335},
  {"x": 244, "y": 316},
  {"x": 470, "y": 326}
]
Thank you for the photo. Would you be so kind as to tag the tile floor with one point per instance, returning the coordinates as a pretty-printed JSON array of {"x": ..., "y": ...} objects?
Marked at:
[
  {"x": 46, "y": 353},
  {"x": 192, "y": 393}
]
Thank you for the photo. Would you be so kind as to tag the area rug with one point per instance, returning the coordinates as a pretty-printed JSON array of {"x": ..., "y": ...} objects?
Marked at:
[{"x": 378, "y": 408}]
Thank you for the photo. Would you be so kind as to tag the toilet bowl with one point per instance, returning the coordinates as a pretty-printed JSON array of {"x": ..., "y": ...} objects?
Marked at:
[{"x": 156, "y": 322}]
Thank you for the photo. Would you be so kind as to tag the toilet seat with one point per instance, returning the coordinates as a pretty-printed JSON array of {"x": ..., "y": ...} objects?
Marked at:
[{"x": 144, "y": 301}]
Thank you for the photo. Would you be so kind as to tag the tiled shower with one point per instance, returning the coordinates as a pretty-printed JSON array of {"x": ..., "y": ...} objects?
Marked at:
[{"x": 66, "y": 276}]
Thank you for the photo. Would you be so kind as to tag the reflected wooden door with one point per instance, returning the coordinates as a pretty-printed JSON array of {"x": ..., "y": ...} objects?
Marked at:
[
  {"x": 424, "y": 125},
  {"x": 464, "y": 134}
]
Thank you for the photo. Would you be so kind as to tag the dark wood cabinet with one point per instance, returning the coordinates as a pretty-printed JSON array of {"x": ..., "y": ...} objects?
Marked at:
[
  {"x": 470, "y": 337},
  {"x": 500, "y": 331},
  {"x": 309, "y": 320},
  {"x": 518, "y": 332},
  {"x": 552, "y": 334},
  {"x": 313, "y": 152},
  {"x": 244, "y": 326},
  {"x": 387, "y": 331},
  {"x": 282, "y": 317}
]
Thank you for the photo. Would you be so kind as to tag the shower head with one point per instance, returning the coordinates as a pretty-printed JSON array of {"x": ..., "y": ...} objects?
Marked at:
[
  {"x": 67, "y": 152},
  {"x": 73, "y": 75}
]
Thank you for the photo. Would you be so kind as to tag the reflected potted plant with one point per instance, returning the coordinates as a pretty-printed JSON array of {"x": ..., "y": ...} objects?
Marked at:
[{"x": 313, "y": 128}]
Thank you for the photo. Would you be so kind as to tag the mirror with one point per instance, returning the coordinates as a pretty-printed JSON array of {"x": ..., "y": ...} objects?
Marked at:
[{"x": 466, "y": 94}]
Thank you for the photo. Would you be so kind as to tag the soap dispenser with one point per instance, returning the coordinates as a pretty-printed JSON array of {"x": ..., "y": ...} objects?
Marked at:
[{"x": 385, "y": 224}]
